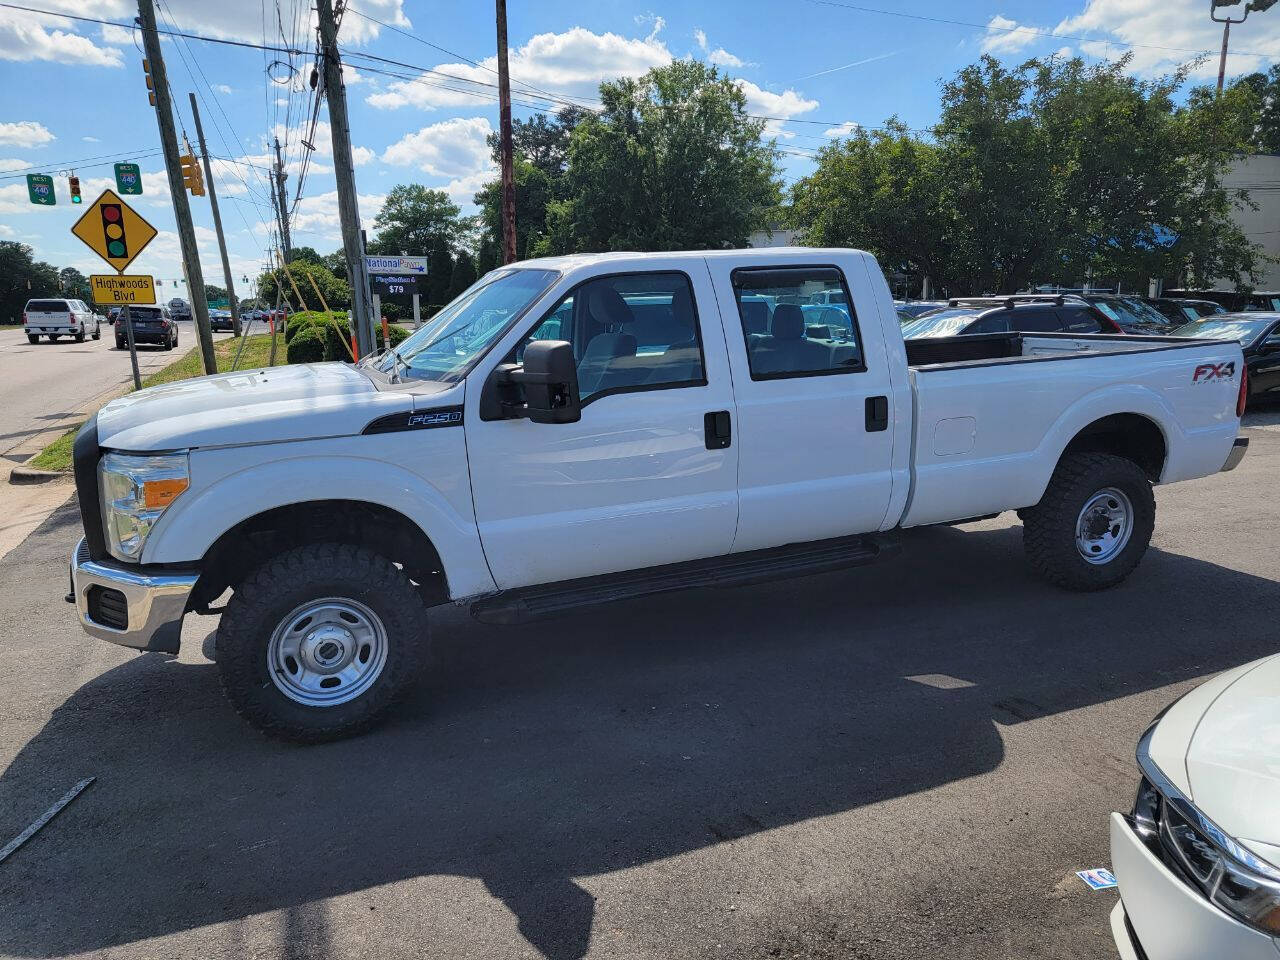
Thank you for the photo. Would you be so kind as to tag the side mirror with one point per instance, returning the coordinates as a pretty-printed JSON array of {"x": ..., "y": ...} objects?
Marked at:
[{"x": 550, "y": 380}]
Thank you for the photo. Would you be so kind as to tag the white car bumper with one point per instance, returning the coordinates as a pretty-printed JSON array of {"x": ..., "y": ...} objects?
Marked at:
[{"x": 1167, "y": 919}]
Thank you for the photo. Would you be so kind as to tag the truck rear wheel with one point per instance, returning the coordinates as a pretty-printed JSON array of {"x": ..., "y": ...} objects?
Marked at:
[
  {"x": 319, "y": 642},
  {"x": 1093, "y": 524},
  {"x": 33, "y": 338}
]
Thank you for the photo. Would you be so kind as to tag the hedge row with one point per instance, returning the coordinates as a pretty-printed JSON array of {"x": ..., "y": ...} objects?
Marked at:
[{"x": 313, "y": 336}]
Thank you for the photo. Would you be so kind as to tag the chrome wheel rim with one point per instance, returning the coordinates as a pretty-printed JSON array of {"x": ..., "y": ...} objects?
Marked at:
[
  {"x": 1104, "y": 525},
  {"x": 327, "y": 652}
]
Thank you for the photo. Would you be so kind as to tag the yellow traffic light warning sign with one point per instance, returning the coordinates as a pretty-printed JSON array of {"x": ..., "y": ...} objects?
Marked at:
[{"x": 113, "y": 231}]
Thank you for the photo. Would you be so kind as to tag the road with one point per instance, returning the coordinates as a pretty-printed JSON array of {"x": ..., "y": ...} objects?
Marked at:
[
  {"x": 45, "y": 384},
  {"x": 901, "y": 761}
]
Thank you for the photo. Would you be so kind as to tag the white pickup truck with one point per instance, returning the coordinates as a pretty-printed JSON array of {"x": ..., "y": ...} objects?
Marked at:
[
  {"x": 575, "y": 430},
  {"x": 58, "y": 318}
]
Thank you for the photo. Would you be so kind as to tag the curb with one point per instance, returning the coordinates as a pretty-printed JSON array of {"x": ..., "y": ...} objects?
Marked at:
[{"x": 22, "y": 474}]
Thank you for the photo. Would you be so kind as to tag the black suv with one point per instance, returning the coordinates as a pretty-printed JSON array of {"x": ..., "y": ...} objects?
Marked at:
[{"x": 1018, "y": 314}]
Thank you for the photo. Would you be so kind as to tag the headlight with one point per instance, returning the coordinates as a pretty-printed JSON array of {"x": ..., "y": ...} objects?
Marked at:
[
  {"x": 136, "y": 490},
  {"x": 1207, "y": 858}
]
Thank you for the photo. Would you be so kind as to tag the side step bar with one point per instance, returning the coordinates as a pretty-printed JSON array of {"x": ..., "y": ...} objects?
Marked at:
[{"x": 758, "y": 566}]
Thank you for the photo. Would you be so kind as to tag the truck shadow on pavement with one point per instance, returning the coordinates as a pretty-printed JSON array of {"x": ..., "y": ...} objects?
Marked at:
[{"x": 532, "y": 756}]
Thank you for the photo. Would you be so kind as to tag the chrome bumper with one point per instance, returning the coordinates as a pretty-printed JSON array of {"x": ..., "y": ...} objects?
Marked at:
[
  {"x": 143, "y": 610},
  {"x": 1238, "y": 450}
]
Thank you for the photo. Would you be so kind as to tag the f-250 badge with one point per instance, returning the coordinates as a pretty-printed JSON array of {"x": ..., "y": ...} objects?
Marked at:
[{"x": 1211, "y": 372}]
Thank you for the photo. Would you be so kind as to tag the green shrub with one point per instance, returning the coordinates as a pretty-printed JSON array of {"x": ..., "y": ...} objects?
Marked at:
[
  {"x": 394, "y": 311},
  {"x": 297, "y": 324},
  {"x": 398, "y": 335},
  {"x": 307, "y": 347},
  {"x": 337, "y": 342}
]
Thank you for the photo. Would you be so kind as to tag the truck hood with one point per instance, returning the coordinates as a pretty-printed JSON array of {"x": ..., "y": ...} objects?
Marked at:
[
  {"x": 296, "y": 402},
  {"x": 1233, "y": 757}
]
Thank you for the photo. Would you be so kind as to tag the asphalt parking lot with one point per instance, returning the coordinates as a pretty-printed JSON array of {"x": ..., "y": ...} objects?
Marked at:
[{"x": 906, "y": 760}]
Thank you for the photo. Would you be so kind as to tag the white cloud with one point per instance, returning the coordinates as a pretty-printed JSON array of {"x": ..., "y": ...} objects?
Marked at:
[
  {"x": 572, "y": 63},
  {"x": 90, "y": 139},
  {"x": 223, "y": 88},
  {"x": 318, "y": 215},
  {"x": 282, "y": 101},
  {"x": 25, "y": 36},
  {"x": 7, "y": 231},
  {"x": 362, "y": 155},
  {"x": 451, "y": 148},
  {"x": 1180, "y": 24},
  {"x": 8, "y": 166},
  {"x": 846, "y": 129},
  {"x": 1006, "y": 36},
  {"x": 121, "y": 36},
  {"x": 720, "y": 57},
  {"x": 777, "y": 106},
  {"x": 25, "y": 133}
]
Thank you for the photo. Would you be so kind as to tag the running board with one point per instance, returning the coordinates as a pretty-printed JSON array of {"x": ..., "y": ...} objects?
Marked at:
[{"x": 733, "y": 570}]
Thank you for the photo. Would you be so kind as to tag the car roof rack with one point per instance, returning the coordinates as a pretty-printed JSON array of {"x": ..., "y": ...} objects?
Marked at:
[{"x": 1008, "y": 302}]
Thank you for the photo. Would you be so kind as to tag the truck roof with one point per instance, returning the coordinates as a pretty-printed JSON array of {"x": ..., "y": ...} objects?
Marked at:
[{"x": 764, "y": 254}]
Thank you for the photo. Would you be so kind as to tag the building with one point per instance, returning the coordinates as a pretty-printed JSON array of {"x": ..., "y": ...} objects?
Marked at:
[{"x": 1259, "y": 176}]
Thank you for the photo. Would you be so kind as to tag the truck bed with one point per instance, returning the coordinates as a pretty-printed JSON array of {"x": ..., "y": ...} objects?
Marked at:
[{"x": 994, "y": 412}]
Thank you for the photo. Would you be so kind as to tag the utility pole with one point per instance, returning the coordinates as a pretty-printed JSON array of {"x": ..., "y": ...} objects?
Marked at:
[
  {"x": 344, "y": 172},
  {"x": 217, "y": 220},
  {"x": 177, "y": 189},
  {"x": 504, "y": 124},
  {"x": 282, "y": 200}
]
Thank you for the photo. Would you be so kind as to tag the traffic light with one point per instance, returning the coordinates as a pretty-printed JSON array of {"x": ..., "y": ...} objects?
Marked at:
[
  {"x": 192, "y": 178},
  {"x": 151, "y": 84},
  {"x": 113, "y": 230},
  {"x": 74, "y": 183}
]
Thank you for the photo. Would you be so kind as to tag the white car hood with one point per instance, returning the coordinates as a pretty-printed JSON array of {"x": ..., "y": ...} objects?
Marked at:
[
  {"x": 296, "y": 402},
  {"x": 1233, "y": 757}
]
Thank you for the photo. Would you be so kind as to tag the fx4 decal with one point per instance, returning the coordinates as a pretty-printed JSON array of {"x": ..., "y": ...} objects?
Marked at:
[{"x": 1211, "y": 372}]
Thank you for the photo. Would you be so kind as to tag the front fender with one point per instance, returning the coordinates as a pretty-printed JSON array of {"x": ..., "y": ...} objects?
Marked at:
[{"x": 231, "y": 485}]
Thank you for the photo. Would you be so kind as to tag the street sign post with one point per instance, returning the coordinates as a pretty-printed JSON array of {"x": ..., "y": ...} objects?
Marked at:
[
  {"x": 129, "y": 179},
  {"x": 410, "y": 265},
  {"x": 40, "y": 189},
  {"x": 115, "y": 291},
  {"x": 389, "y": 284},
  {"x": 112, "y": 230}
]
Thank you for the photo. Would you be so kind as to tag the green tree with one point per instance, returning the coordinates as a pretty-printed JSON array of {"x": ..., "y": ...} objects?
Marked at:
[
  {"x": 73, "y": 283},
  {"x": 1264, "y": 104},
  {"x": 464, "y": 275},
  {"x": 304, "y": 255},
  {"x": 542, "y": 140},
  {"x": 672, "y": 162},
  {"x": 414, "y": 220},
  {"x": 439, "y": 273},
  {"x": 336, "y": 262},
  {"x": 534, "y": 191},
  {"x": 337, "y": 292},
  {"x": 214, "y": 292},
  {"x": 22, "y": 278}
]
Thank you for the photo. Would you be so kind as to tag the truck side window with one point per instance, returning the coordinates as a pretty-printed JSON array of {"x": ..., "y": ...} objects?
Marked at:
[
  {"x": 1079, "y": 320},
  {"x": 797, "y": 322},
  {"x": 629, "y": 332},
  {"x": 1036, "y": 320}
]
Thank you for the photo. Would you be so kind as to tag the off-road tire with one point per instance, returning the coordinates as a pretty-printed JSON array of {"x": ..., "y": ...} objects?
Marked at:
[
  {"x": 1049, "y": 528},
  {"x": 280, "y": 586}
]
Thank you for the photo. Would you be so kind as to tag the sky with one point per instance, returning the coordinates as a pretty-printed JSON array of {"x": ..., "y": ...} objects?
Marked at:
[{"x": 73, "y": 95}]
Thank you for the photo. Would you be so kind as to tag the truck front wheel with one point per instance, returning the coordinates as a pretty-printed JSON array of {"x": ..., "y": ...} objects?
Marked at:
[
  {"x": 319, "y": 642},
  {"x": 1093, "y": 524}
]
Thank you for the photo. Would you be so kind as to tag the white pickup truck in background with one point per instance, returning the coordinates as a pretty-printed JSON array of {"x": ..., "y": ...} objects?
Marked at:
[
  {"x": 54, "y": 318},
  {"x": 575, "y": 430}
]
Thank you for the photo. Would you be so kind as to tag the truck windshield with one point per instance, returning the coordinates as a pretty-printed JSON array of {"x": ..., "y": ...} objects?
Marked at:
[{"x": 446, "y": 346}]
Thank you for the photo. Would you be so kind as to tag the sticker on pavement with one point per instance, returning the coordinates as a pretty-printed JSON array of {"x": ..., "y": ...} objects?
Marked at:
[{"x": 1099, "y": 878}]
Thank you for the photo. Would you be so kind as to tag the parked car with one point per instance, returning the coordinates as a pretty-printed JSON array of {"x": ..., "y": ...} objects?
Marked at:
[
  {"x": 658, "y": 439},
  {"x": 1178, "y": 311},
  {"x": 1023, "y": 314},
  {"x": 179, "y": 309},
  {"x": 1198, "y": 856},
  {"x": 1259, "y": 337},
  {"x": 1129, "y": 313},
  {"x": 1263, "y": 300},
  {"x": 150, "y": 325},
  {"x": 220, "y": 320},
  {"x": 57, "y": 317}
]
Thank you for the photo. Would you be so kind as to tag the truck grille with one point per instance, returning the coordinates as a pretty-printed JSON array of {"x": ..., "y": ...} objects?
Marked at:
[{"x": 108, "y": 607}]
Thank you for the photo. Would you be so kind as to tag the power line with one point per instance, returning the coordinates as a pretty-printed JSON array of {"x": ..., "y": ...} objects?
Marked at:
[{"x": 85, "y": 162}]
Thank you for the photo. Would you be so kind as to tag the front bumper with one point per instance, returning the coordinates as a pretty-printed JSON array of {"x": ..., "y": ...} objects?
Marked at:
[
  {"x": 1168, "y": 920},
  {"x": 133, "y": 607},
  {"x": 1238, "y": 450}
]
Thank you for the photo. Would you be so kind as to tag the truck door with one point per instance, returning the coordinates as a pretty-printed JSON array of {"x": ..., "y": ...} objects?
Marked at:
[
  {"x": 648, "y": 476},
  {"x": 816, "y": 405}
]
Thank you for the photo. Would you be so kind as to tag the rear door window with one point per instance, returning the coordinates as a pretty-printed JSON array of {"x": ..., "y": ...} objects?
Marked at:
[
  {"x": 996, "y": 322},
  {"x": 47, "y": 306},
  {"x": 1036, "y": 320},
  {"x": 1079, "y": 319}
]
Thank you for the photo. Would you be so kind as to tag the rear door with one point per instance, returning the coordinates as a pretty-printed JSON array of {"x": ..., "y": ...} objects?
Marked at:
[
  {"x": 816, "y": 414},
  {"x": 648, "y": 475},
  {"x": 49, "y": 315}
]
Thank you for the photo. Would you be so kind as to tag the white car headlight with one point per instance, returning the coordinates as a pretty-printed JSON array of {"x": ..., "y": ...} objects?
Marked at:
[
  {"x": 136, "y": 490},
  {"x": 1203, "y": 854}
]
